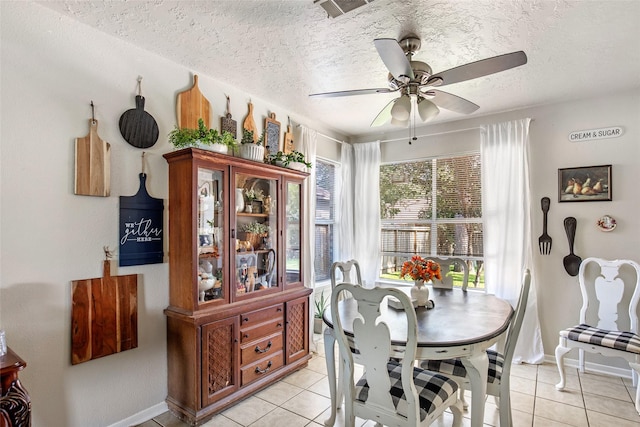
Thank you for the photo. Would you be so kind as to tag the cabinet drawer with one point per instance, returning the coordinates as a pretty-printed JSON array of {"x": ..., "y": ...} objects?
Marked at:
[
  {"x": 259, "y": 316},
  {"x": 262, "y": 367},
  {"x": 263, "y": 348},
  {"x": 261, "y": 330}
]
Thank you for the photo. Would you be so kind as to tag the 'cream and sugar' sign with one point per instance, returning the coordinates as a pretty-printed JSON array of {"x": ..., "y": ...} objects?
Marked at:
[{"x": 587, "y": 135}]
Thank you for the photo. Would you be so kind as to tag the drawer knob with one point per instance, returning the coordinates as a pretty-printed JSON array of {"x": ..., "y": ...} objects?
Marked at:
[
  {"x": 246, "y": 335},
  {"x": 246, "y": 319},
  {"x": 279, "y": 325},
  {"x": 264, "y": 350},
  {"x": 279, "y": 309},
  {"x": 265, "y": 370}
]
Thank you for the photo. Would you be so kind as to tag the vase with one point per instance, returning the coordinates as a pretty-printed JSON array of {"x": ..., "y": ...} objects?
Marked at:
[
  {"x": 218, "y": 148},
  {"x": 252, "y": 152},
  {"x": 297, "y": 166},
  {"x": 239, "y": 200},
  {"x": 420, "y": 293}
]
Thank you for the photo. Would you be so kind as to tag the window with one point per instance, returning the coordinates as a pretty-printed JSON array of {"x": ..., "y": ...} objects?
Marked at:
[
  {"x": 326, "y": 196},
  {"x": 432, "y": 208}
]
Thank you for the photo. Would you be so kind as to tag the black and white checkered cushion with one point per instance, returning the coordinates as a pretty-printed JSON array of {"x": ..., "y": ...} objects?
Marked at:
[
  {"x": 625, "y": 341},
  {"x": 433, "y": 389},
  {"x": 455, "y": 367}
]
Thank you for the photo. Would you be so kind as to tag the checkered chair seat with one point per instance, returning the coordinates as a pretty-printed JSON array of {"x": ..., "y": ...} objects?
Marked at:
[
  {"x": 455, "y": 367},
  {"x": 625, "y": 341},
  {"x": 433, "y": 389}
]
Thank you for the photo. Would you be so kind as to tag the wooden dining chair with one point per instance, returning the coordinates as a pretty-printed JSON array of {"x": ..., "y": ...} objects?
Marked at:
[
  {"x": 604, "y": 290},
  {"x": 498, "y": 376},
  {"x": 391, "y": 393}
]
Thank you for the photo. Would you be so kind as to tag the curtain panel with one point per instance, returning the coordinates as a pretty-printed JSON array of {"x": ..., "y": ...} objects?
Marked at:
[{"x": 506, "y": 213}]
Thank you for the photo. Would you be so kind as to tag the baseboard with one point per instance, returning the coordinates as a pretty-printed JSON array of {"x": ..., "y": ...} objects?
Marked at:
[
  {"x": 143, "y": 416},
  {"x": 592, "y": 367}
]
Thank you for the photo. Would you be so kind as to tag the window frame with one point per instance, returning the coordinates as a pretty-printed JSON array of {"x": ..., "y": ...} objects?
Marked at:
[
  {"x": 433, "y": 222},
  {"x": 333, "y": 223}
]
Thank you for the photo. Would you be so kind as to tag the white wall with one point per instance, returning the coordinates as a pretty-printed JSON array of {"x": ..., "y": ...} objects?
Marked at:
[
  {"x": 52, "y": 68},
  {"x": 559, "y": 297}
]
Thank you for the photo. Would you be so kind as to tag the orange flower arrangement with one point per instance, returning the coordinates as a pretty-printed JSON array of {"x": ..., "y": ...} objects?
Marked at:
[{"x": 421, "y": 269}]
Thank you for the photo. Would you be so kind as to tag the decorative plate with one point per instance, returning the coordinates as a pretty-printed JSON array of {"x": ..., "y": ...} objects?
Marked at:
[{"x": 606, "y": 223}]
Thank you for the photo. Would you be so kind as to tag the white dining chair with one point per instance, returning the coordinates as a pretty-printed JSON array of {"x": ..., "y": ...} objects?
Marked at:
[
  {"x": 498, "y": 376},
  {"x": 605, "y": 290},
  {"x": 447, "y": 278},
  {"x": 345, "y": 268},
  {"x": 391, "y": 393}
]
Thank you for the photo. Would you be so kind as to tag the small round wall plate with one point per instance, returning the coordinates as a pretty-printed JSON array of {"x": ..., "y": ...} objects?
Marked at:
[{"x": 606, "y": 223}]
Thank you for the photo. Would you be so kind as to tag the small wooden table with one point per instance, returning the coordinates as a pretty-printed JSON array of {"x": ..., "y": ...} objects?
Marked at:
[
  {"x": 15, "y": 404},
  {"x": 462, "y": 324}
]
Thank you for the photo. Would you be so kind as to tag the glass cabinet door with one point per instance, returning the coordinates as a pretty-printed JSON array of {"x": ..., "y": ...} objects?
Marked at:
[
  {"x": 210, "y": 233},
  {"x": 256, "y": 236},
  {"x": 293, "y": 237}
]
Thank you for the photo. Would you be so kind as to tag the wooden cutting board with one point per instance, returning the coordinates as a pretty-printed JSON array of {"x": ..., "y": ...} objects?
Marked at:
[
  {"x": 250, "y": 124},
  {"x": 138, "y": 127},
  {"x": 141, "y": 228},
  {"x": 104, "y": 315},
  {"x": 191, "y": 105},
  {"x": 288, "y": 141},
  {"x": 227, "y": 124},
  {"x": 93, "y": 164}
]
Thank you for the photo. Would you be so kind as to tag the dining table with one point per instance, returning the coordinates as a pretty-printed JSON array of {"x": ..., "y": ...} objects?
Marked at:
[{"x": 461, "y": 324}]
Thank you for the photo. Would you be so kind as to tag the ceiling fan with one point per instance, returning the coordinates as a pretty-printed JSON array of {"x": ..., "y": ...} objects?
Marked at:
[{"x": 415, "y": 81}]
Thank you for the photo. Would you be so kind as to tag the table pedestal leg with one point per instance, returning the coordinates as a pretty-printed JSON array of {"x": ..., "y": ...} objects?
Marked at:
[{"x": 477, "y": 367}]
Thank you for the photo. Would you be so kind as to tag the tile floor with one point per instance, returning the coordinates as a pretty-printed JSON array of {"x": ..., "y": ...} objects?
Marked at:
[{"x": 302, "y": 399}]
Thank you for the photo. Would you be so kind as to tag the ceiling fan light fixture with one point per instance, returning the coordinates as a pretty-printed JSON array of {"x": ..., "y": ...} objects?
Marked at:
[
  {"x": 401, "y": 108},
  {"x": 403, "y": 123},
  {"x": 427, "y": 109}
]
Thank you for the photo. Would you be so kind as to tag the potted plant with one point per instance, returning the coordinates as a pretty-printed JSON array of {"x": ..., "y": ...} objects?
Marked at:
[
  {"x": 249, "y": 149},
  {"x": 252, "y": 195},
  {"x": 293, "y": 160},
  {"x": 296, "y": 160},
  {"x": 321, "y": 306},
  {"x": 202, "y": 137},
  {"x": 254, "y": 232}
]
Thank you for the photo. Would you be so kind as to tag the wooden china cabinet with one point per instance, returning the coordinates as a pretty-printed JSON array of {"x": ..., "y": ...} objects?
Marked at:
[{"x": 238, "y": 318}]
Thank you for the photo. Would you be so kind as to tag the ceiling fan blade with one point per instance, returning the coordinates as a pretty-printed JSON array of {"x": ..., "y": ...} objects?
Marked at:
[
  {"x": 352, "y": 92},
  {"x": 384, "y": 115},
  {"x": 477, "y": 69},
  {"x": 394, "y": 58},
  {"x": 451, "y": 102}
]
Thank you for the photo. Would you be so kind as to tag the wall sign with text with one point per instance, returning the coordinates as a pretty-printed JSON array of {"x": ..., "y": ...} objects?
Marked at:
[
  {"x": 590, "y": 134},
  {"x": 141, "y": 228}
]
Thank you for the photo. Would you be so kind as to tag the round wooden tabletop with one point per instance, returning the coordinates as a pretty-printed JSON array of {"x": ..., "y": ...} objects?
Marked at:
[{"x": 458, "y": 318}]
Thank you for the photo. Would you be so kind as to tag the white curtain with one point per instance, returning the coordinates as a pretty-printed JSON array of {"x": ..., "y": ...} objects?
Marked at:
[
  {"x": 366, "y": 209},
  {"x": 344, "y": 214},
  {"x": 506, "y": 208},
  {"x": 307, "y": 146}
]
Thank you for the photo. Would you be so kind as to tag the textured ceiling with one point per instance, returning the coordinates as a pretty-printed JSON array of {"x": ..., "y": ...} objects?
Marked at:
[{"x": 282, "y": 51}]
